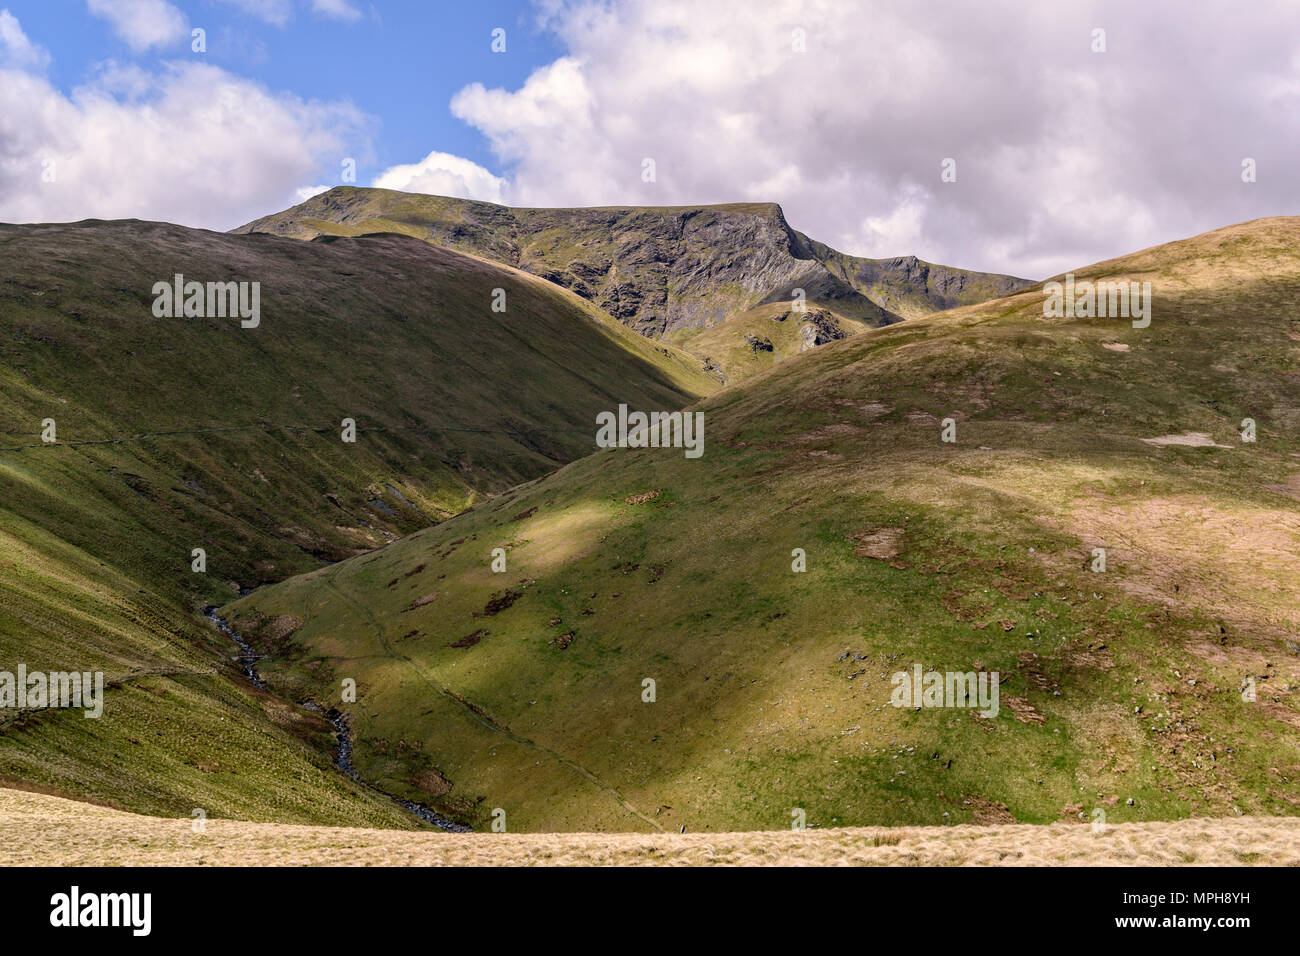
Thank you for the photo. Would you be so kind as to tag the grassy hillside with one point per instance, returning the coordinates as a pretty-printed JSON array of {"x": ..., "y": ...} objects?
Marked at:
[
  {"x": 756, "y": 339},
  {"x": 183, "y": 433},
  {"x": 656, "y": 269},
  {"x": 1121, "y": 690}
]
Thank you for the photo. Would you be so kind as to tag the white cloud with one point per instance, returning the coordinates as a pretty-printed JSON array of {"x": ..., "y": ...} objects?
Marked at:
[
  {"x": 15, "y": 49},
  {"x": 280, "y": 12},
  {"x": 902, "y": 226},
  {"x": 443, "y": 174},
  {"x": 548, "y": 130},
  {"x": 303, "y": 193},
  {"x": 188, "y": 143},
  {"x": 142, "y": 23},
  {"x": 1064, "y": 156},
  {"x": 275, "y": 12},
  {"x": 337, "y": 9}
]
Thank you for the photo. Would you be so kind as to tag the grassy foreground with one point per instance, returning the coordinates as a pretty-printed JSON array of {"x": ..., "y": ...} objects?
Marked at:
[{"x": 37, "y": 830}]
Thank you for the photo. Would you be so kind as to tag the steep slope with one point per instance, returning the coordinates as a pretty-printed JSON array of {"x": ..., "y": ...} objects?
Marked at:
[
  {"x": 175, "y": 434},
  {"x": 1163, "y": 686},
  {"x": 658, "y": 268}
]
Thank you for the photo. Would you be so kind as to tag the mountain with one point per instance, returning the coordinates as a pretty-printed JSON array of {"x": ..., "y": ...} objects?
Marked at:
[
  {"x": 181, "y": 433},
  {"x": 656, "y": 269},
  {"x": 652, "y": 658}
]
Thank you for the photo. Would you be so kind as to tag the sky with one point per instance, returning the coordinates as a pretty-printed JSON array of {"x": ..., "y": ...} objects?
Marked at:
[{"x": 1012, "y": 136}]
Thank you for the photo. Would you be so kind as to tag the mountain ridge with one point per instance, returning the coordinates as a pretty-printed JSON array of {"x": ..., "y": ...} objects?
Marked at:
[{"x": 655, "y": 268}]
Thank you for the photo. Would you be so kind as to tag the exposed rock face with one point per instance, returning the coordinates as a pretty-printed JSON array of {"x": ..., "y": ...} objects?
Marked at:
[
  {"x": 658, "y": 268},
  {"x": 819, "y": 328},
  {"x": 941, "y": 286}
]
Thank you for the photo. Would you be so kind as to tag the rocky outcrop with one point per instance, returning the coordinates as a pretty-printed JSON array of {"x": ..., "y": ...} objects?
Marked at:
[
  {"x": 655, "y": 269},
  {"x": 819, "y": 328}
]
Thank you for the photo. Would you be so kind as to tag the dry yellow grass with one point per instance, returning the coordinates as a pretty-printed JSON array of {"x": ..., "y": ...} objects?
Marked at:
[{"x": 51, "y": 831}]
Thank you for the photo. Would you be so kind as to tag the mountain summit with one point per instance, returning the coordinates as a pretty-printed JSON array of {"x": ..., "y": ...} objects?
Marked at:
[{"x": 656, "y": 269}]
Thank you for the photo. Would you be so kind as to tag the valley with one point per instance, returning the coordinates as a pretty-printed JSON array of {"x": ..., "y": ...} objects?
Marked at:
[
  {"x": 397, "y": 488},
  {"x": 1121, "y": 691},
  {"x": 243, "y": 456}
]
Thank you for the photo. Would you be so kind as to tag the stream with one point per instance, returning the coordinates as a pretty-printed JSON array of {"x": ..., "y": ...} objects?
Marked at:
[{"x": 248, "y": 659}]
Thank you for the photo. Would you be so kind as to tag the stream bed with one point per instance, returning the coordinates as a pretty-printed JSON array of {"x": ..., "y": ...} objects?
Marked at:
[{"x": 248, "y": 659}]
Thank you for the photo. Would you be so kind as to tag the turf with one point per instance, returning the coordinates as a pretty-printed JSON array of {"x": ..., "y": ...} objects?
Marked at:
[
  {"x": 185, "y": 433},
  {"x": 1120, "y": 690}
]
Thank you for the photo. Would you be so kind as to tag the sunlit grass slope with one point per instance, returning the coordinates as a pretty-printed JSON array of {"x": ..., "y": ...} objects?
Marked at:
[
  {"x": 756, "y": 339},
  {"x": 1121, "y": 690}
]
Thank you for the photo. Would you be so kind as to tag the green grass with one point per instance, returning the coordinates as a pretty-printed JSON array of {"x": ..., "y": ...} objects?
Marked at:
[
  {"x": 730, "y": 347},
  {"x": 755, "y": 713},
  {"x": 175, "y": 434}
]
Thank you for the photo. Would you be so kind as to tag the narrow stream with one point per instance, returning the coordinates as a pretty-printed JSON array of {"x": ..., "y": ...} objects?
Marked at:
[
  {"x": 247, "y": 656},
  {"x": 248, "y": 659}
]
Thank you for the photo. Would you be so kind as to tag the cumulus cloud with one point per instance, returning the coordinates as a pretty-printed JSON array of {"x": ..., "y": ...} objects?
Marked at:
[
  {"x": 844, "y": 111},
  {"x": 142, "y": 23},
  {"x": 187, "y": 143},
  {"x": 443, "y": 174},
  {"x": 547, "y": 130},
  {"x": 16, "y": 50}
]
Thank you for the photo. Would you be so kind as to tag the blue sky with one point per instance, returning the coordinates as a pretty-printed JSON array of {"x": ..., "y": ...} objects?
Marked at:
[
  {"x": 400, "y": 60},
  {"x": 1076, "y": 131}
]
